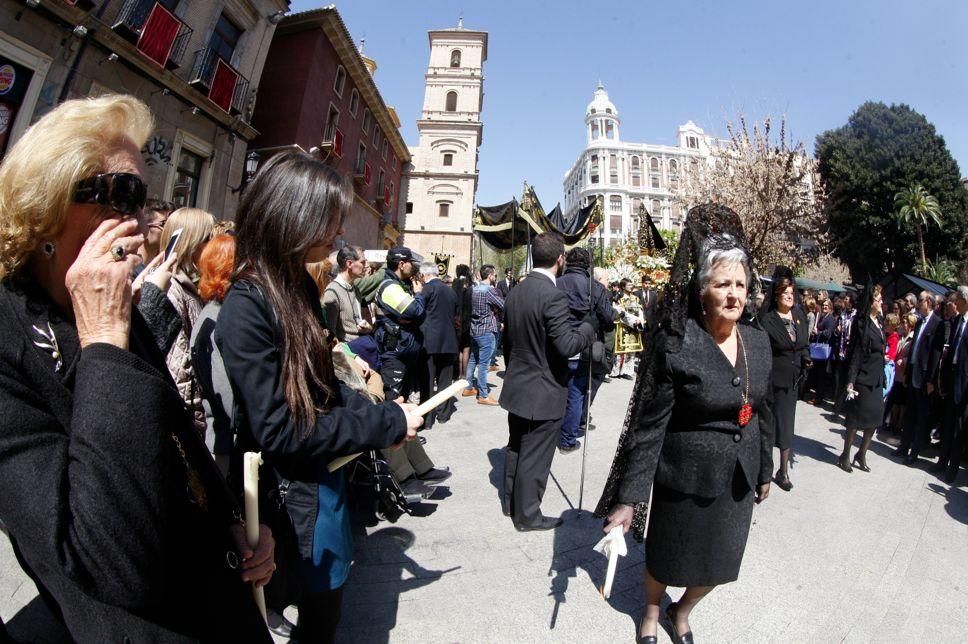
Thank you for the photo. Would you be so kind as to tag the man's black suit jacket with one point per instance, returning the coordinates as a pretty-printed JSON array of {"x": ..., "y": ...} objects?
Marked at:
[
  {"x": 959, "y": 371},
  {"x": 538, "y": 340},
  {"x": 440, "y": 306},
  {"x": 926, "y": 355},
  {"x": 504, "y": 288}
]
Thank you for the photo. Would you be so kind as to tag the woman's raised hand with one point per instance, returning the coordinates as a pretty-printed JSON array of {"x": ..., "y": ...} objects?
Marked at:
[
  {"x": 621, "y": 515},
  {"x": 100, "y": 285}
]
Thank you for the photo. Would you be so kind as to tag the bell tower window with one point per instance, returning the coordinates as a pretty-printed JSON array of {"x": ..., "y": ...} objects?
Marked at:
[
  {"x": 451, "y": 102},
  {"x": 455, "y": 58}
]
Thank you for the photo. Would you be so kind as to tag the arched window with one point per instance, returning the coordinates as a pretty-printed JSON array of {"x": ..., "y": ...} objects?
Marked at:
[
  {"x": 635, "y": 163},
  {"x": 594, "y": 129},
  {"x": 455, "y": 58},
  {"x": 609, "y": 130},
  {"x": 654, "y": 164},
  {"x": 673, "y": 166},
  {"x": 451, "y": 105}
]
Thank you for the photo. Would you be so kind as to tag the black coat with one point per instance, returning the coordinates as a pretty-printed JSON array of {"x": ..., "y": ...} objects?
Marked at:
[
  {"x": 440, "y": 317},
  {"x": 574, "y": 284},
  {"x": 94, "y": 489},
  {"x": 867, "y": 344},
  {"x": 825, "y": 329},
  {"x": 538, "y": 340},
  {"x": 688, "y": 437},
  {"x": 790, "y": 357},
  {"x": 503, "y": 287},
  {"x": 251, "y": 345},
  {"x": 924, "y": 360},
  {"x": 958, "y": 372}
]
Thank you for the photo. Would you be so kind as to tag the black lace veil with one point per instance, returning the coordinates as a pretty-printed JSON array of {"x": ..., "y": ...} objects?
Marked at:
[{"x": 708, "y": 227}]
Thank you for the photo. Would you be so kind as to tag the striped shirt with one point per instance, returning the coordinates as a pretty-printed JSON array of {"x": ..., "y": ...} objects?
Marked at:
[{"x": 486, "y": 307}]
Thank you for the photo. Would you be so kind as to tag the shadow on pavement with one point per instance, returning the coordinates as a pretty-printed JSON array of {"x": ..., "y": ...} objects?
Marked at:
[
  {"x": 382, "y": 573},
  {"x": 496, "y": 475},
  {"x": 957, "y": 501}
]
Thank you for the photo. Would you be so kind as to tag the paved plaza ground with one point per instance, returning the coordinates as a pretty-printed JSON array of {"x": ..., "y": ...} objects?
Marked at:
[{"x": 855, "y": 557}]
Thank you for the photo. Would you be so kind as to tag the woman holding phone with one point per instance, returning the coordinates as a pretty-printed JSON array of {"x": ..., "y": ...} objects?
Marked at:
[{"x": 289, "y": 404}]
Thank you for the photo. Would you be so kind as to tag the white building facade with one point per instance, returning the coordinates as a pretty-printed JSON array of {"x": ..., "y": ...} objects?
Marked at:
[
  {"x": 629, "y": 175},
  {"x": 443, "y": 180}
]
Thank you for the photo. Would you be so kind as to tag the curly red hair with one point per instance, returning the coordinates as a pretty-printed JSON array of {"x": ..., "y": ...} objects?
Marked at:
[{"x": 215, "y": 266}]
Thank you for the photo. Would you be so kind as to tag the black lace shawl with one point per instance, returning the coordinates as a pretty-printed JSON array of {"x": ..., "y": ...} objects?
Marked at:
[{"x": 708, "y": 227}]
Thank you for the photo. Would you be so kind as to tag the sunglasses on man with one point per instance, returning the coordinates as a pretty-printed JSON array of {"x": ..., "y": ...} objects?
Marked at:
[{"x": 124, "y": 192}]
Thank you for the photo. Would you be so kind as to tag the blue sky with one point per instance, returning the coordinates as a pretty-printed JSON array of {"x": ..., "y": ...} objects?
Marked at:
[{"x": 666, "y": 62}]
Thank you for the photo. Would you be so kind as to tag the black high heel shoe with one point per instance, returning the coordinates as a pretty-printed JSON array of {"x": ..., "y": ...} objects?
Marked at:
[
  {"x": 685, "y": 638},
  {"x": 844, "y": 463},
  {"x": 861, "y": 463}
]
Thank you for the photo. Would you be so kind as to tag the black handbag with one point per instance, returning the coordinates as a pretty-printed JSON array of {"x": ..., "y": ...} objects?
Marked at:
[{"x": 285, "y": 587}]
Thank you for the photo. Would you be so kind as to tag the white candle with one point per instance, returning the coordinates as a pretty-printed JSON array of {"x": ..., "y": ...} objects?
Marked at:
[
  {"x": 250, "y": 484},
  {"x": 435, "y": 401}
]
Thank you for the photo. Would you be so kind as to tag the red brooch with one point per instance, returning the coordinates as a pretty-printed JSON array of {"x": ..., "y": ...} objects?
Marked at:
[{"x": 745, "y": 415}]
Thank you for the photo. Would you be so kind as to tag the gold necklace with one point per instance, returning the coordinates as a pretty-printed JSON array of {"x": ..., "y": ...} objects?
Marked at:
[{"x": 746, "y": 411}]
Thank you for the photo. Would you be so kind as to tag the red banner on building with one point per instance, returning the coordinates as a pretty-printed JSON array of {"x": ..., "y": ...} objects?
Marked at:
[
  {"x": 158, "y": 34},
  {"x": 224, "y": 80}
]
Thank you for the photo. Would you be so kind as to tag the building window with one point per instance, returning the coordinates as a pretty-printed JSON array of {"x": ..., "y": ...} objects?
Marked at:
[
  {"x": 615, "y": 204},
  {"x": 692, "y": 142},
  {"x": 366, "y": 120},
  {"x": 391, "y": 193},
  {"x": 443, "y": 209},
  {"x": 609, "y": 130},
  {"x": 188, "y": 175},
  {"x": 594, "y": 129},
  {"x": 594, "y": 178},
  {"x": 455, "y": 58},
  {"x": 636, "y": 205},
  {"x": 360, "y": 159},
  {"x": 636, "y": 164},
  {"x": 613, "y": 178},
  {"x": 615, "y": 225},
  {"x": 654, "y": 164},
  {"x": 409, "y": 208},
  {"x": 354, "y": 102},
  {"x": 340, "y": 81},
  {"x": 381, "y": 184},
  {"x": 225, "y": 38},
  {"x": 636, "y": 180},
  {"x": 448, "y": 158},
  {"x": 386, "y": 146},
  {"x": 656, "y": 209},
  {"x": 451, "y": 102},
  {"x": 655, "y": 181},
  {"x": 332, "y": 122},
  {"x": 595, "y": 162},
  {"x": 673, "y": 166}
]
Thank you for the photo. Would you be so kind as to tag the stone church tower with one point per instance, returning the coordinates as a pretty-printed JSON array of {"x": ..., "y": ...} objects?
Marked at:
[{"x": 443, "y": 180}]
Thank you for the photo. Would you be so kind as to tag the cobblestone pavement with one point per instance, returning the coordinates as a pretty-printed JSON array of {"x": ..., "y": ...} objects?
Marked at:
[{"x": 861, "y": 557}]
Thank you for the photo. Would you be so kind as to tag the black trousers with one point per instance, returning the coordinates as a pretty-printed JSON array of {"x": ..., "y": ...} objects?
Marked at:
[
  {"x": 319, "y": 615},
  {"x": 527, "y": 463},
  {"x": 398, "y": 376},
  {"x": 953, "y": 435},
  {"x": 915, "y": 434},
  {"x": 437, "y": 376}
]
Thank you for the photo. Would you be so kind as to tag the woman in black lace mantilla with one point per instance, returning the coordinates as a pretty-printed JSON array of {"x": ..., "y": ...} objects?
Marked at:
[{"x": 698, "y": 434}]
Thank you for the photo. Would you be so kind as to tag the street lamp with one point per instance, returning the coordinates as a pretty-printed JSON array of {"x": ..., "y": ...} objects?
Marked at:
[{"x": 251, "y": 166}]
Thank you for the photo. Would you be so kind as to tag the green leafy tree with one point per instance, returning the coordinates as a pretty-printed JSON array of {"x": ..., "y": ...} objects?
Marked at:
[
  {"x": 916, "y": 206},
  {"x": 864, "y": 164}
]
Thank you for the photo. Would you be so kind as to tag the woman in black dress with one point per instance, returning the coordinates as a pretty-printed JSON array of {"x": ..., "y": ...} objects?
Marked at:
[
  {"x": 699, "y": 432},
  {"x": 865, "y": 384},
  {"x": 789, "y": 339}
]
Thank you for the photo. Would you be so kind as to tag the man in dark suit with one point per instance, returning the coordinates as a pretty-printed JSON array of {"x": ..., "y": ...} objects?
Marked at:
[
  {"x": 440, "y": 341},
  {"x": 952, "y": 376},
  {"x": 920, "y": 376},
  {"x": 505, "y": 285},
  {"x": 647, "y": 296},
  {"x": 538, "y": 339}
]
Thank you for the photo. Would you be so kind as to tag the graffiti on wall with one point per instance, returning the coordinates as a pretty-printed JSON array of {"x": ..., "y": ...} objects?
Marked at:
[{"x": 157, "y": 151}]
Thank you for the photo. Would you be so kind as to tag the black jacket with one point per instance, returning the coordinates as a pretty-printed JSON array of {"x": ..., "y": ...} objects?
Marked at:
[
  {"x": 581, "y": 303},
  {"x": 251, "y": 345},
  {"x": 790, "y": 357},
  {"x": 825, "y": 329},
  {"x": 688, "y": 437},
  {"x": 867, "y": 344},
  {"x": 925, "y": 354},
  {"x": 504, "y": 289},
  {"x": 95, "y": 490},
  {"x": 538, "y": 340},
  {"x": 440, "y": 317}
]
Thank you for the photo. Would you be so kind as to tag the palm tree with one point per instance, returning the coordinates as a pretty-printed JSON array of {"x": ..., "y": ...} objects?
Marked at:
[{"x": 916, "y": 206}]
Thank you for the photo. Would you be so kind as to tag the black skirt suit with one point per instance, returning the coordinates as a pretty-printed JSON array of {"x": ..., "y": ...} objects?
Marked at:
[
  {"x": 790, "y": 359},
  {"x": 703, "y": 464},
  {"x": 866, "y": 372}
]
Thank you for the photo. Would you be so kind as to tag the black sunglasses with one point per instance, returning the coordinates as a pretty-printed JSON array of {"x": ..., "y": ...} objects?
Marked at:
[{"x": 124, "y": 192}]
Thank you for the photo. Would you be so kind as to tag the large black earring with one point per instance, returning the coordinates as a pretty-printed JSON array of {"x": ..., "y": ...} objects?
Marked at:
[{"x": 49, "y": 248}]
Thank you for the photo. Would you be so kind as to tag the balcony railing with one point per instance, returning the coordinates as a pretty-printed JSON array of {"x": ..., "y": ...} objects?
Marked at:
[
  {"x": 156, "y": 32},
  {"x": 218, "y": 80}
]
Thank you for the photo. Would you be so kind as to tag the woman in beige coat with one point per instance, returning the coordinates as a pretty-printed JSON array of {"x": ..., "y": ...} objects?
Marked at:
[{"x": 196, "y": 228}]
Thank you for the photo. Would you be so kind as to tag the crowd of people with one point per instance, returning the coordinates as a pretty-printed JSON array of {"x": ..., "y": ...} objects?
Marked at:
[{"x": 145, "y": 348}]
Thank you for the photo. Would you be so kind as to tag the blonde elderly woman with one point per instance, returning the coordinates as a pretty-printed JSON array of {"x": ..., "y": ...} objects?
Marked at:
[
  {"x": 110, "y": 498},
  {"x": 196, "y": 227}
]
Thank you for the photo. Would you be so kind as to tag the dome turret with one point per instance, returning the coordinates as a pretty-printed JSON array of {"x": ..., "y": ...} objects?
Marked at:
[
  {"x": 601, "y": 117},
  {"x": 600, "y": 103}
]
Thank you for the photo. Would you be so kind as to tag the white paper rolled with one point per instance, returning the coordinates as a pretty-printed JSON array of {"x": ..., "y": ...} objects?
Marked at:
[
  {"x": 250, "y": 485},
  {"x": 423, "y": 409}
]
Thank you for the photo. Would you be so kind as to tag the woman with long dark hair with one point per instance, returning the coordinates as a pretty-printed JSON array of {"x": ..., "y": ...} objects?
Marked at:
[
  {"x": 289, "y": 404},
  {"x": 462, "y": 287}
]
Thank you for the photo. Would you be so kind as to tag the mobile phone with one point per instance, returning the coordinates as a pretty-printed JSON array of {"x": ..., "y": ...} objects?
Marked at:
[{"x": 172, "y": 243}]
